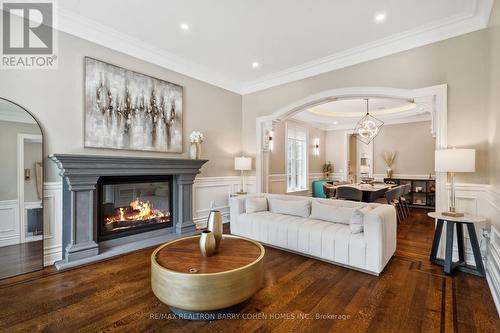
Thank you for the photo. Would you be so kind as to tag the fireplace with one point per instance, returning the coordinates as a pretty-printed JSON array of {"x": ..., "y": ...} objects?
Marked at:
[
  {"x": 117, "y": 204},
  {"x": 133, "y": 204}
]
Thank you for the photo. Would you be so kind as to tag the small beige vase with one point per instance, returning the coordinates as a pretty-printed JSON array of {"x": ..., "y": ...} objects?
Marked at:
[
  {"x": 207, "y": 243},
  {"x": 215, "y": 226}
]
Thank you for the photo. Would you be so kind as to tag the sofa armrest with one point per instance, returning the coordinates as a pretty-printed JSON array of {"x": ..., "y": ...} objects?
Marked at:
[
  {"x": 380, "y": 228},
  {"x": 236, "y": 208}
]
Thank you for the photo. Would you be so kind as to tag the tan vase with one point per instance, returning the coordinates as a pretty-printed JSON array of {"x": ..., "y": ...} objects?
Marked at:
[
  {"x": 215, "y": 226},
  {"x": 389, "y": 173},
  {"x": 207, "y": 243}
]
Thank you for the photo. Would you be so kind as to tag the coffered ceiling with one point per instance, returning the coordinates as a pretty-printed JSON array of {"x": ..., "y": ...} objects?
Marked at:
[{"x": 245, "y": 46}]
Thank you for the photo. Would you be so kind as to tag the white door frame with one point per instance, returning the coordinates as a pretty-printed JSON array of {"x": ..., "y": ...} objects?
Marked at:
[
  {"x": 21, "y": 139},
  {"x": 433, "y": 100}
]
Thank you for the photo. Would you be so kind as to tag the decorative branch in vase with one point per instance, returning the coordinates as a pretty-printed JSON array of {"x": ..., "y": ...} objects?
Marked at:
[
  {"x": 196, "y": 138},
  {"x": 389, "y": 158}
]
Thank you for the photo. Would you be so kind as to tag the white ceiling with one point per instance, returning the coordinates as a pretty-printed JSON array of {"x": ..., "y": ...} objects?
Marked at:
[
  {"x": 290, "y": 39},
  {"x": 343, "y": 114}
]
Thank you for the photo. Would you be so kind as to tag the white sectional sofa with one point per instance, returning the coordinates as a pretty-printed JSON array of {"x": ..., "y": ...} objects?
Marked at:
[{"x": 357, "y": 235}]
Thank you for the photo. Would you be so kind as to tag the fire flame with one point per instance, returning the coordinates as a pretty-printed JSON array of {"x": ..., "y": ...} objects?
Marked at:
[{"x": 139, "y": 211}]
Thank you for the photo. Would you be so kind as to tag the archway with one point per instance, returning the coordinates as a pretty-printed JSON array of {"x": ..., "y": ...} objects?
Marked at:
[{"x": 429, "y": 99}]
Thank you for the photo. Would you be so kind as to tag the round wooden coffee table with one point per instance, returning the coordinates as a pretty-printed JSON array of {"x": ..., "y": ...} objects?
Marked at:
[{"x": 187, "y": 281}]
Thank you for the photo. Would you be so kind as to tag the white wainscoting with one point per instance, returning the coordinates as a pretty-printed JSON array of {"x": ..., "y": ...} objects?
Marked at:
[
  {"x": 277, "y": 183},
  {"x": 218, "y": 190},
  {"x": 381, "y": 176},
  {"x": 9, "y": 228},
  {"x": 483, "y": 200},
  {"x": 52, "y": 218}
]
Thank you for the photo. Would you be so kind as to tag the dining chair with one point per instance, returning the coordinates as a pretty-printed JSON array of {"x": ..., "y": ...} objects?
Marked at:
[
  {"x": 392, "y": 198},
  {"x": 349, "y": 193},
  {"x": 329, "y": 191},
  {"x": 404, "y": 200}
]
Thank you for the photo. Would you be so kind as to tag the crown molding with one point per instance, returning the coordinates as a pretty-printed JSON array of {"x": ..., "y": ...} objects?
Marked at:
[
  {"x": 95, "y": 32},
  {"x": 476, "y": 18}
]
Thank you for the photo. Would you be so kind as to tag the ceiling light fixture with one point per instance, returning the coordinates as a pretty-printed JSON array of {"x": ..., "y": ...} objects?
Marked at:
[
  {"x": 368, "y": 127},
  {"x": 380, "y": 17},
  {"x": 335, "y": 122},
  {"x": 184, "y": 26},
  {"x": 255, "y": 64}
]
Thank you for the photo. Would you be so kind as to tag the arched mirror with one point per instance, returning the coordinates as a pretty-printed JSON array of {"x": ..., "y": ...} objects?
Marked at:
[{"x": 21, "y": 191}]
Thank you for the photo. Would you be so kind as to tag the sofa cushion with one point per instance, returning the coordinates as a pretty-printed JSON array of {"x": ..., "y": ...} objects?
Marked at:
[
  {"x": 255, "y": 204},
  {"x": 357, "y": 219},
  {"x": 331, "y": 213},
  {"x": 297, "y": 207}
]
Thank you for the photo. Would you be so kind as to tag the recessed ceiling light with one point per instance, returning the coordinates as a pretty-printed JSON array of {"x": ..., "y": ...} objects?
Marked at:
[
  {"x": 255, "y": 64},
  {"x": 184, "y": 26},
  {"x": 335, "y": 122},
  {"x": 380, "y": 17}
]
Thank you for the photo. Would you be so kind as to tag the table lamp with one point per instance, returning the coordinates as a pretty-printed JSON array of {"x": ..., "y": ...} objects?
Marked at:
[
  {"x": 242, "y": 164},
  {"x": 451, "y": 161}
]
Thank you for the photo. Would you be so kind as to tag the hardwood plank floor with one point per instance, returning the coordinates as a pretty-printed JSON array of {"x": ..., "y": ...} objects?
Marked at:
[
  {"x": 411, "y": 295},
  {"x": 21, "y": 258}
]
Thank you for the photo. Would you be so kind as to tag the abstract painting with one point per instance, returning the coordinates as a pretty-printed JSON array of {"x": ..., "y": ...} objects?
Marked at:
[{"x": 129, "y": 110}]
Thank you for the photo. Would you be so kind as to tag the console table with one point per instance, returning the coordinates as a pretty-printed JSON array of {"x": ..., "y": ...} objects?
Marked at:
[{"x": 451, "y": 222}]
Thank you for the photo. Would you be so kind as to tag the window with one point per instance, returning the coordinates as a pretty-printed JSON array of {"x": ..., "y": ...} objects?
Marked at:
[{"x": 296, "y": 169}]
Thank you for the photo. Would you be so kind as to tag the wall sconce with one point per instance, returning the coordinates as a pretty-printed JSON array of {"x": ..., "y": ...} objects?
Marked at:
[
  {"x": 270, "y": 144},
  {"x": 316, "y": 146},
  {"x": 27, "y": 174}
]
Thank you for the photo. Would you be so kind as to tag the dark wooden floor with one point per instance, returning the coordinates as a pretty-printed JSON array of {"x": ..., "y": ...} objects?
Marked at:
[
  {"x": 20, "y": 258},
  {"x": 115, "y": 296}
]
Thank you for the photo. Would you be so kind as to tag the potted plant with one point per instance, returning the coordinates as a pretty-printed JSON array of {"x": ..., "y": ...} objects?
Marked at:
[
  {"x": 196, "y": 138},
  {"x": 327, "y": 169}
]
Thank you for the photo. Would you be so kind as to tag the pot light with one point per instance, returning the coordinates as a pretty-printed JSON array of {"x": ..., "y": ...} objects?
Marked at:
[
  {"x": 184, "y": 26},
  {"x": 380, "y": 17},
  {"x": 335, "y": 122},
  {"x": 255, "y": 64}
]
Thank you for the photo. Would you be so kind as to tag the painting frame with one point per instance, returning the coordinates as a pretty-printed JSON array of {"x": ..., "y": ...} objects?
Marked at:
[{"x": 149, "y": 121}]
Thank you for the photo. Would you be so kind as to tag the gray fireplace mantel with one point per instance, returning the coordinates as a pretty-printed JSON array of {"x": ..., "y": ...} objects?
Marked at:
[{"x": 81, "y": 174}]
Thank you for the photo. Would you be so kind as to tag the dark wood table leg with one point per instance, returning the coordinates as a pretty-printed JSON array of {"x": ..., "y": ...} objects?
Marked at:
[
  {"x": 475, "y": 249},
  {"x": 436, "y": 240},
  {"x": 448, "y": 257},
  {"x": 460, "y": 242}
]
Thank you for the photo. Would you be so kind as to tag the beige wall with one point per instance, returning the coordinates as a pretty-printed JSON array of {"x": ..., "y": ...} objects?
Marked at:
[
  {"x": 495, "y": 96},
  {"x": 56, "y": 98},
  {"x": 414, "y": 145},
  {"x": 460, "y": 62},
  {"x": 277, "y": 158},
  {"x": 413, "y": 142},
  {"x": 32, "y": 155},
  {"x": 8, "y": 150},
  {"x": 335, "y": 149}
]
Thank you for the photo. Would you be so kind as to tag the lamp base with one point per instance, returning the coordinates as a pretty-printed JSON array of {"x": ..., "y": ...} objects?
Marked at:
[{"x": 453, "y": 214}]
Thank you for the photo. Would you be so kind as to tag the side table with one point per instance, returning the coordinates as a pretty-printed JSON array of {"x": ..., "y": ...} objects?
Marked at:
[{"x": 451, "y": 222}]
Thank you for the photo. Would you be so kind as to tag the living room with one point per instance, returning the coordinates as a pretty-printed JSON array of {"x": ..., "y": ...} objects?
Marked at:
[{"x": 184, "y": 135}]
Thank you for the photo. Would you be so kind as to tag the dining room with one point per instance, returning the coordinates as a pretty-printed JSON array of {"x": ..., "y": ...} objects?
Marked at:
[{"x": 367, "y": 149}]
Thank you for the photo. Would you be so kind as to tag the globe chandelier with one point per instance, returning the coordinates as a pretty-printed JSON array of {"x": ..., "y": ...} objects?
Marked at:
[{"x": 368, "y": 127}]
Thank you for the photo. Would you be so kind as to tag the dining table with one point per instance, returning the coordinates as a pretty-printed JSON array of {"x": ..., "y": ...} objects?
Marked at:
[{"x": 371, "y": 191}]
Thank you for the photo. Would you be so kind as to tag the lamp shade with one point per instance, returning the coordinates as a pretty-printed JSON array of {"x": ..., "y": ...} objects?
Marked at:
[
  {"x": 242, "y": 163},
  {"x": 455, "y": 160}
]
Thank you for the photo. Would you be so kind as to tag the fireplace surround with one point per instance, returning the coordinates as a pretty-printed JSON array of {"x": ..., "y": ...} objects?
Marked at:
[{"x": 153, "y": 180}]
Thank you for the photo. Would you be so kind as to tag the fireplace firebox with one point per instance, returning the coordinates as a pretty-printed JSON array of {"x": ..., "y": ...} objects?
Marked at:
[{"x": 132, "y": 204}]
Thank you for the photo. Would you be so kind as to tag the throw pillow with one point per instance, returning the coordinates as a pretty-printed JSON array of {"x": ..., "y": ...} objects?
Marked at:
[
  {"x": 331, "y": 213},
  {"x": 301, "y": 208},
  {"x": 255, "y": 204}
]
